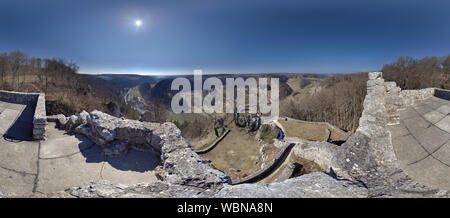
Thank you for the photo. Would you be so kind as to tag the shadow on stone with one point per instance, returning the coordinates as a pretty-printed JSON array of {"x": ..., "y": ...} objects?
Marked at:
[
  {"x": 339, "y": 142},
  {"x": 133, "y": 160},
  {"x": 22, "y": 129}
]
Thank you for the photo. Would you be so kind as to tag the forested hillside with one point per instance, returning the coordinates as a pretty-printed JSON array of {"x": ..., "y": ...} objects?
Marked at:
[
  {"x": 67, "y": 92},
  {"x": 339, "y": 102},
  {"x": 410, "y": 73}
]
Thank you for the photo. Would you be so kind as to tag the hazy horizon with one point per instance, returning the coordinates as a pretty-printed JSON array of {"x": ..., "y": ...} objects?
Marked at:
[{"x": 212, "y": 73}]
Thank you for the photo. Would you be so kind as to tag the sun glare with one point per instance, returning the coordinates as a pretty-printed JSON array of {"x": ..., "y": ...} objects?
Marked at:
[{"x": 138, "y": 23}]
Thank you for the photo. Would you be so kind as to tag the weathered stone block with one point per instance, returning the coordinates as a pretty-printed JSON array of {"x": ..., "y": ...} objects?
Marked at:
[
  {"x": 56, "y": 118},
  {"x": 376, "y": 82},
  {"x": 390, "y": 85},
  {"x": 375, "y": 75},
  {"x": 39, "y": 126},
  {"x": 38, "y": 131}
]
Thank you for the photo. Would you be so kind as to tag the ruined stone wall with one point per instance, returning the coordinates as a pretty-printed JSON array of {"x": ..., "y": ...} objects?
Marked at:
[
  {"x": 398, "y": 99},
  {"x": 368, "y": 156},
  {"x": 320, "y": 153},
  {"x": 34, "y": 99}
]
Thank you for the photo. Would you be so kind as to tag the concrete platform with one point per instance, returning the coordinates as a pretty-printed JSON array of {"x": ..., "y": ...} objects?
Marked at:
[
  {"x": 9, "y": 113},
  {"x": 63, "y": 161},
  {"x": 422, "y": 142},
  {"x": 16, "y": 182},
  {"x": 19, "y": 156}
]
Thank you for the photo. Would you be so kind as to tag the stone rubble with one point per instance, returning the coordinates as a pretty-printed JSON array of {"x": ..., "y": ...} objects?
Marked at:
[
  {"x": 6, "y": 194},
  {"x": 313, "y": 185}
]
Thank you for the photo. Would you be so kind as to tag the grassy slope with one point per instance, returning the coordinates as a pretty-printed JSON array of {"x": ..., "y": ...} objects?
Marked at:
[{"x": 237, "y": 150}]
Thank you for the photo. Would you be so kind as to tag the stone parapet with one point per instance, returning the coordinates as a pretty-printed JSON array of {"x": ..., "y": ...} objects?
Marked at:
[
  {"x": 19, "y": 97},
  {"x": 37, "y": 100},
  {"x": 39, "y": 118},
  {"x": 368, "y": 156},
  {"x": 442, "y": 93}
]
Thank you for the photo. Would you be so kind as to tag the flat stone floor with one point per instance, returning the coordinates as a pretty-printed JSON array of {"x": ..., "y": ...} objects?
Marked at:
[
  {"x": 62, "y": 161},
  {"x": 9, "y": 113},
  {"x": 422, "y": 142}
]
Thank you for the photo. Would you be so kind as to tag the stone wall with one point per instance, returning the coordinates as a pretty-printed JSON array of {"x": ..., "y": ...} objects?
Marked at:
[
  {"x": 320, "y": 153},
  {"x": 213, "y": 145},
  {"x": 330, "y": 126},
  {"x": 19, "y": 97},
  {"x": 37, "y": 100},
  {"x": 397, "y": 99},
  {"x": 39, "y": 118},
  {"x": 267, "y": 170},
  {"x": 368, "y": 156},
  {"x": 442, "y": 93}
]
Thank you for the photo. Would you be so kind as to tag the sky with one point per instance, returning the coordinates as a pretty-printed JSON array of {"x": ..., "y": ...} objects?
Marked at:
[{"x": 226, "y": 36}]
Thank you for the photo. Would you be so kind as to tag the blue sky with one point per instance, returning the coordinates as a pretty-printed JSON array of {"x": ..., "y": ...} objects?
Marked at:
[{"x": 229, "y": 36}]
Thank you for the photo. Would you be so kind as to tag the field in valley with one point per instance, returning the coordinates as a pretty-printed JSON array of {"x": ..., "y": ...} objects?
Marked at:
[{"x": 238, "y": 150}]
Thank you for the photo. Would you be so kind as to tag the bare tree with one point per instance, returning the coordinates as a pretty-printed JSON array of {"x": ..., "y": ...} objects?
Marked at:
[
  {"x": 339, "y": 102},
  {"x": 409, "y": 73},
  {"x": 46, "y": 69},
  {"x": 31, "y": 68},
  {"x": 155, "y": 111},
  {"x": 446, "y": 65},
  {"x": 3, "y": 66},
  {"x": 16, "y": 61}
]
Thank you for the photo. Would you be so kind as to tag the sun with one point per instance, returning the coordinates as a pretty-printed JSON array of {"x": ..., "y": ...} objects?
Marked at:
[{"x": 138, "y": 23}]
